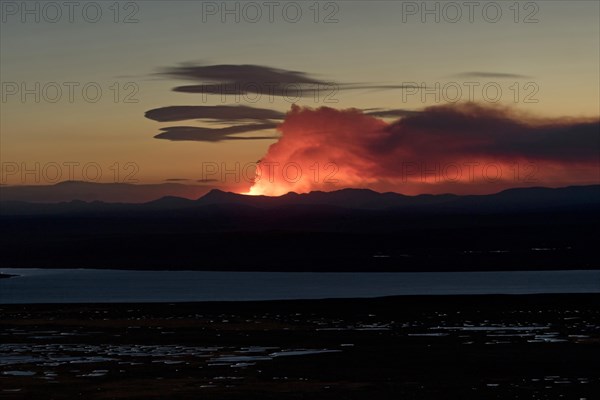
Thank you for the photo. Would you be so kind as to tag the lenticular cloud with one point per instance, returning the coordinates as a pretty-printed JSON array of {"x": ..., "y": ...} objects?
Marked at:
[{"x": 462, "y": 148}]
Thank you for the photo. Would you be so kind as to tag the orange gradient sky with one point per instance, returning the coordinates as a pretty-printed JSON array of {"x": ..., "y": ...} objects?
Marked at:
[{"x": 547, "y": 69}]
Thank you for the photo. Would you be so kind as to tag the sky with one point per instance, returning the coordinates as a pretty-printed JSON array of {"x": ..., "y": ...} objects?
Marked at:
[{"x": 391, "y": 61}]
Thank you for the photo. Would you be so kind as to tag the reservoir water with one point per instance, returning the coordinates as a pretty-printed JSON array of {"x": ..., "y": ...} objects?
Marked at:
[{"x": 111, "y": 286}]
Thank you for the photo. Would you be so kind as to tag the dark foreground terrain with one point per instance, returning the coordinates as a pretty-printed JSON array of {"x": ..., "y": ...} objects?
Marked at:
[
  {"x": 346, "y": 230},
  {"x": 461, "y": 347}
]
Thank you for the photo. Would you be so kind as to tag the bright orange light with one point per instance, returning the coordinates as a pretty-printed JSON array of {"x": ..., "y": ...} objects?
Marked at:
[{"x": 254, "y": 191}]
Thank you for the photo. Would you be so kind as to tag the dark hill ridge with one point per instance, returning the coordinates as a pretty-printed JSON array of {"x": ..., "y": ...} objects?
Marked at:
[
  {"x": 346, "y": 230},
  {"x": 347, "y": 198},
  {"x": 519, "y": 199},
  {"x": 537, "y": 197},
  {"x": 95, "y": 191}
]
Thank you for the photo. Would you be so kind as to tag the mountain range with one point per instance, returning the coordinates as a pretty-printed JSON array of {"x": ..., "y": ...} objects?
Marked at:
[
  {"x": 518, "y": 199},
  {"x": 345, "y": 230}
]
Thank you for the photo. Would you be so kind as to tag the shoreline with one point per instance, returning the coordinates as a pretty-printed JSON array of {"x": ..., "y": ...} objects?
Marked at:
[
  {"x": 81, "y": 286},
  {"x": 303, "y": 270},
  {"x": 442, "y": 301}
]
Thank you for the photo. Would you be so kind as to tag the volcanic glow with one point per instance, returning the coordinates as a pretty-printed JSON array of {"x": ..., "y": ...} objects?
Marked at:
[
  {"x": 463, "y": 148},
  {"x": 254, "y": 191}
]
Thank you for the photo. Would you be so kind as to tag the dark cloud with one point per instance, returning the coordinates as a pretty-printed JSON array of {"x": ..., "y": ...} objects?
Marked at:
[
  {"x": 277, "y": 89},
  {"x": 228, "y": 79},
  {"x": 207, "y": 180},
  {"x": 471, "y": 130},
  {"x": 221, "y": 113},
  {"x": 576, "y": 142},
  {"x": 493, "y": 75},
  {"x": 270, "y": 89},
  {"x": 199, "y": 134},
  {"x": 240, "y": 113},
  {"x": 391, "y": 113},
  {"x": 238, "y": 73},
  {"x": 176, "y": 180}
]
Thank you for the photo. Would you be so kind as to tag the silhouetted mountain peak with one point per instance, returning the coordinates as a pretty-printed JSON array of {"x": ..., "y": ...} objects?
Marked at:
[
  {"x": 218, "y": 194},
  {"x": 518, "y": 199}
]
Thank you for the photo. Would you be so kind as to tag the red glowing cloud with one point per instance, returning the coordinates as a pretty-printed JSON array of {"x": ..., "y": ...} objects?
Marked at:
[{"x": 461, "y": 148}]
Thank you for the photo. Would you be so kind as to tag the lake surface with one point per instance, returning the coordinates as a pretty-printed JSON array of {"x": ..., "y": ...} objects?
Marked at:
[{"x": 111, "y": 286}]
